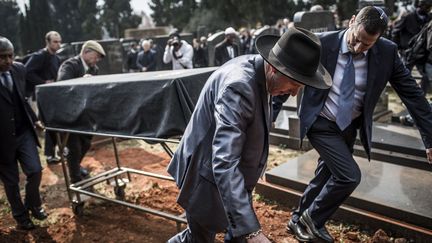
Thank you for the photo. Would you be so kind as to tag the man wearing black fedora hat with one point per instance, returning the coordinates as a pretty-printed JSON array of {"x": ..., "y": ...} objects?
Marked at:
[
  {"x": 361, "y": 63},
  {"x": 225, "y": 146}
]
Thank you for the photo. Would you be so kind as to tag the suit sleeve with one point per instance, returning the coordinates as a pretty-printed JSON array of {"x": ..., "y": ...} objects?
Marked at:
[
  {"x": 277, "y": 104},
  {"x": 233, "y": 111},
  {"x": 167, "y": 57},
  {"x": 152, "y": 64},
  {"x": 138, "y": 60},
  {"x": 21, "y": 71},
  {"x": 413, "y": 97},
  {"x": 66, "y": 71},
  {"x": 398, "y": 28},
  {"x": 187, "y": 57},
  {"x": 34, "y": 64}
]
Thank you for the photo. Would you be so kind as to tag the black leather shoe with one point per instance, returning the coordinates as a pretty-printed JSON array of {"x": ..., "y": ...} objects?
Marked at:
[
  {"x": 299, "y": 232},
  {"x": 26, "y": 224},
  {"x": 320, "y": 233},
  {"x": 38, "y": 213},
  {"x": 51, "y": 160},
  {"x": 84, "y": 172}
]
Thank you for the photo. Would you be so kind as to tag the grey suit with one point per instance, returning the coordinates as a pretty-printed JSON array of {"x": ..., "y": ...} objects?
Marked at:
[{"x": 224, "y": 148}]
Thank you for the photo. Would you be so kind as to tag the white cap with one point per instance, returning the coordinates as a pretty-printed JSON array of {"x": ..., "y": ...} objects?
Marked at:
[{"x": 230, "y": 31}]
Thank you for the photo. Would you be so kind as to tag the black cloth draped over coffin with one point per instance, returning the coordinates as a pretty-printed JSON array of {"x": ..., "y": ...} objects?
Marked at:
[{"x": 153, "y": 104}]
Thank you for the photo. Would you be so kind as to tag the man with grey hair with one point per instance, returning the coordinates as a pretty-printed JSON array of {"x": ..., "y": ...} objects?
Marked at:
[
  {"x": 82, "y": 65},
  {"x": 42, "y": 68},
  {"x": 146, "y": 60},
  {"x": 18, "y": 141}
]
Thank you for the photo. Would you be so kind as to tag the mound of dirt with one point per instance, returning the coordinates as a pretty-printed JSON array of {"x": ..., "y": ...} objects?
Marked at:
[{"x": 106, "y": 222}]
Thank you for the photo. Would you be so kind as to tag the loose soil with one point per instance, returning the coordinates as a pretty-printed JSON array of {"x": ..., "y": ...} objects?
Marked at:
[{"x": 107, "y": 222}]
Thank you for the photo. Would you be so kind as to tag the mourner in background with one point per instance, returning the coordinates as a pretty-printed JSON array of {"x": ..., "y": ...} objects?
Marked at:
[{"x": 82, "y": 65}]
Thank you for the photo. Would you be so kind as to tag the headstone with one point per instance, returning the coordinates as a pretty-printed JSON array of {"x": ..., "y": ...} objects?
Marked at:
[
  {"x": 146, "y": 33},
  {"x": 266, "y": 30},
  {"x": 212, "y": 41},
  {"x": 319, "y": 21},
  {"x": 390, "y": 190}
]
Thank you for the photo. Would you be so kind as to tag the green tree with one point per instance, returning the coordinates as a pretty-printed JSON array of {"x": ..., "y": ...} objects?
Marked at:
[
  {"x": 117, "y": 16},
  {"x": 66, "y": 19},
  {"x": 174, "y": 12},
  {"x": 10, "y": 13},
  {"x": 161, "y": 12},
  {"x": 346, "y": 9},
  {"x": 36, "y": 23},
  {"x": 90, "y": 24}
]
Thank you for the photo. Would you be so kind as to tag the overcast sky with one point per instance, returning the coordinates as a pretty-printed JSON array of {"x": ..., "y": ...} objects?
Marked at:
[{"x": 137, "y": 5}]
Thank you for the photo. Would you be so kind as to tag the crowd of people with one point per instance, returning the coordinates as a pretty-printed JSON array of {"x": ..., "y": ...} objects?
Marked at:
[
  {"x": 180, "y": 54},
  {"x": 225, "y": 146}
]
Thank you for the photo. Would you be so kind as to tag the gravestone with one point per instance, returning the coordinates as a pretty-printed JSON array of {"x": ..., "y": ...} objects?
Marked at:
[
  {"x": 137, "y": 33},
  {"x": 319, "y": 21},
  {"x": 212, "y": 41},
  {"x": 386, "y": 189},
  {"x": 266, "y": 30}
]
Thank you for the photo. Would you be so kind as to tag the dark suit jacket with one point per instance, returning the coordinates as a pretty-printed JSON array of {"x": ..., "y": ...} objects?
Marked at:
[
  {"x": 40, "y": 67},
  {"x": 384, "y": 65},
  {"x": 221, "y": 53},
  {"x": 7, "y": 123},
  {"x": 73, "y": 68},
  {"x": 146, "y": 59},
  {"x": 225, "y": 147},
  {"x": 406, "y": 28}
]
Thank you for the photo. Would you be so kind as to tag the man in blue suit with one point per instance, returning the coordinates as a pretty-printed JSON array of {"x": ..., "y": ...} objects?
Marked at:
[
  {"x": 225, "y": 146},
  {"x": 361, "y": 63}
]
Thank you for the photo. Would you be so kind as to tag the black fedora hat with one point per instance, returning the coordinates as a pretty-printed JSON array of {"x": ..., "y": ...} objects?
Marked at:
[{"x": 296, "y": 54}]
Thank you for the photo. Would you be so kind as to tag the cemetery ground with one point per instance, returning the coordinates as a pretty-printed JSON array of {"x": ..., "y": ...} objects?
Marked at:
[{"x": 106, "y": 222}]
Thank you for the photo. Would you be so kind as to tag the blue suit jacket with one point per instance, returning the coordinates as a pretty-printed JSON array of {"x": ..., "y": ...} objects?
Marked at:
[
  {"x": 384, "y": 65},
  {"x": 225, "y": 147}
]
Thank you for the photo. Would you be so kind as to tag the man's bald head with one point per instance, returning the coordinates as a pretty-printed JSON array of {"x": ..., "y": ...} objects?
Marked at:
[{"x": 6, "y": 54}]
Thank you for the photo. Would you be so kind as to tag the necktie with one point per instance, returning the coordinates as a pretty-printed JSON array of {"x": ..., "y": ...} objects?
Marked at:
[
  {"x": 7, "y": 82},
  {"x": 346, "y": 95}
]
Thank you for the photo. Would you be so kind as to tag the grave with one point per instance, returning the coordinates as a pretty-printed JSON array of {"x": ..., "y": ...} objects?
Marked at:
[{"x": 400, "y": 195}]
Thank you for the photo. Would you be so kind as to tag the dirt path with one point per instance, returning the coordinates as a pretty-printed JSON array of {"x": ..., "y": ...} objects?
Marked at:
[{"x": 105, "y": 222}]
